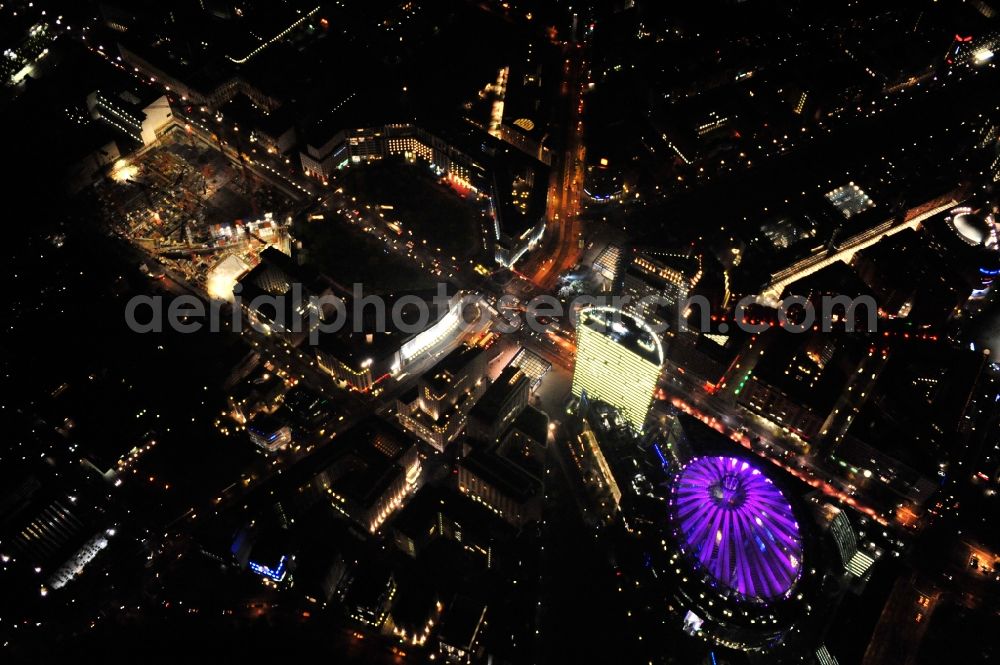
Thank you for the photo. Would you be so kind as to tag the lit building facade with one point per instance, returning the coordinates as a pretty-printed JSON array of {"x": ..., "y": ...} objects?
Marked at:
[
  {"x": 479, "y": 163},
  {"x": 667, "y": 277},
  {"x": 436, "y": 410},
  {"x": 855, "y": 561},
  {"x": 359, "y": 359},
  {"x": 618, "y": 361},
  {"x": 501, "y": 403},
  {"x": 268, "y": 433},
  {"x": 369, "y": 595},
  {"x": 19, "y": 58},
  {"x": 355, "y": 146},
  {"x": 498, "y": 483},
  {"x": 603, "y": 474},
  {"x": 142, "y": 120},
  {"x": 374, "y": 467},
  {"x": 438, "y": 513}
]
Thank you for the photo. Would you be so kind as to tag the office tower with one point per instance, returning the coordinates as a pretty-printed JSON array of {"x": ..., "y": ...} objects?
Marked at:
[{"x": 618, "y": 361}]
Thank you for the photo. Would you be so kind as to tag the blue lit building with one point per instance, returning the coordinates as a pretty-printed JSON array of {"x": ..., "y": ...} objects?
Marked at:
[
  {"x": 269, "y": 433},
  {"x": 271, "y": 557}
]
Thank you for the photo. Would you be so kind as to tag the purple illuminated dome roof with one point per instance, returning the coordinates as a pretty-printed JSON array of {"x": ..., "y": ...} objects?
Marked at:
[{"x": 737, "y": 524}]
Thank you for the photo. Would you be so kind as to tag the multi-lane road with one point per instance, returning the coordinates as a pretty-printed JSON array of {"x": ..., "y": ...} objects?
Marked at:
[{"x": 561, "y": 246}]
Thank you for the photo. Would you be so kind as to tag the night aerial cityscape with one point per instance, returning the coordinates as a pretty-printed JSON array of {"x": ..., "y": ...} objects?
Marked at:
[{"x": 500, "y": 331}]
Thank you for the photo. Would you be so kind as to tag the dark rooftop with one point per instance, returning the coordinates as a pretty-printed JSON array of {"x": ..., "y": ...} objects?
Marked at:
[
  {"x": 510, "y": 380},
  {"x": 534, "y": 423},
  {"x": 504, "y": 475},
  {"x": 461, "y": 621},
  {"x": 440, "y": 377}
]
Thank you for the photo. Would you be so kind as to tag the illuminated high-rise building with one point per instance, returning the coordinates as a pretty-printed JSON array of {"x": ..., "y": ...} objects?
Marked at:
[{"x": 618, "y": 361}]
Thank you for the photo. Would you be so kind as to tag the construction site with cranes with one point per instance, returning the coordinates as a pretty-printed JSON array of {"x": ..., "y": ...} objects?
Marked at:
[{"x": 196, "y": 211}]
